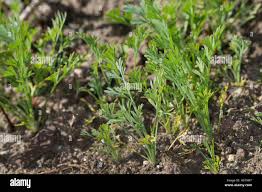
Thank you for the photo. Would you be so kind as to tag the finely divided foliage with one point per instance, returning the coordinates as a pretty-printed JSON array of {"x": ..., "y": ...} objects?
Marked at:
[
  {"x": 181, "y": 44},
  {"x": 27, "y": 75},
  {"x": 180, "y": 39}
]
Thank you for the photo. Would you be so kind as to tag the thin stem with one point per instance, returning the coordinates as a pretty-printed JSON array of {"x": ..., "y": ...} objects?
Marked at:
[{"x": 11, "y": 125}]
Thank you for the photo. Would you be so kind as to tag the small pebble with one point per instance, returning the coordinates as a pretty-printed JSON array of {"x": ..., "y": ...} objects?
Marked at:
[
  {"x": 74, "y": 161},
  {"x": 100, "y": 164},
  {"x": 240, "y": 153},
  {"x": 145, "y": 162},
  {"x": 228, "y": 150},
  {"x": 231, "y": 158}
]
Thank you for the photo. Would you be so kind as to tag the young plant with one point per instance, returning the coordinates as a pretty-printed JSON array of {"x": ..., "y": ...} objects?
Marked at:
[
  {"x": 212, "y": 162},
  {"x": 135, "y": 41},
  {"x": 106, "y": 135},
  {"x": 31, "y": 75},
  {"x": 181, "y": 41},
  {"x": 239, "y": 46},
  {"x": 169, "y": 107},
  {"x": 222, "y": 99},
  {"x": 184, "y": 63},
  {"x": 105, "y": 59},
  {"x": 131, "y": 114},
  {"x": 125, "y": 111},
  {"x": 257, "y": 118},
  {"x": 116, "y": 17}
]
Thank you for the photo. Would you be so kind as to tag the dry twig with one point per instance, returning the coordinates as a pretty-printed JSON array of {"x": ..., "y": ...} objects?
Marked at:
[{"x": 29, "y": 9}]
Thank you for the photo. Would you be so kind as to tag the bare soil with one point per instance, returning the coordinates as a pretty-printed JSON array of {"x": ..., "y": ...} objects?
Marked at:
[{"x": 59, "y": 146}]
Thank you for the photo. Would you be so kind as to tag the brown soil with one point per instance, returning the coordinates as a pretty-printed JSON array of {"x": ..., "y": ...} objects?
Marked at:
[{"x": 59, "y": 147}]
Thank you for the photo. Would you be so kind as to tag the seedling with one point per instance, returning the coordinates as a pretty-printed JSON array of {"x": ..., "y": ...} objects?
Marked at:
[
  {"x": 188, "y": 68},
  {"x": 29, "y": 77},
  {"x": 212, "y": 162},
  {"x": 181, "y": 38},
  {"x": 106, "y": 135},
  {"x": 239, "y": 46},
  {"x": 131, "y": 114},
  {"x": 222, "y": 99},
  {"x": 116, "y": 17},
  {"x": 257, "y": 118}
]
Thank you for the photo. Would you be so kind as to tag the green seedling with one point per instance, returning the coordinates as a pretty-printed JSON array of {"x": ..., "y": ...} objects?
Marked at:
[
  {"x": 189, "y": 68},
  {"x": 181, "y": 39},
  {"x": 257, "y": 118},
  {"x": 116, "y": 17},
  {"x": 131, "y": 114},
  {"x": 32, "y": 74},
  {"x": 222, "y": 99},
  {"x": 211, "y": 162},
  {"x": 239, "y": 46},
  {"x": 106, "y": 135}
]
